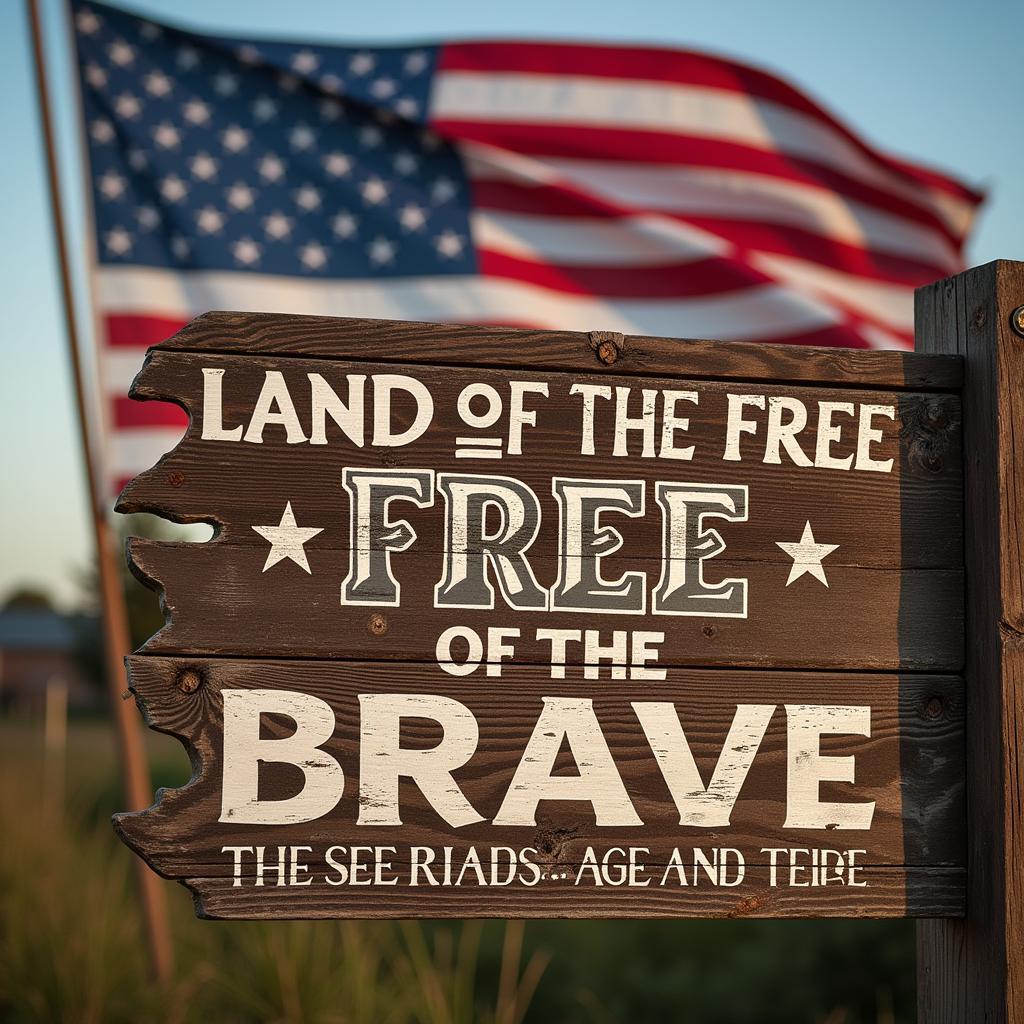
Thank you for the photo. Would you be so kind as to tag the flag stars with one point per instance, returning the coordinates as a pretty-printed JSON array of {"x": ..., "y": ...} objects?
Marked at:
[
  {"x": 449, "y": 244},
  {"x": 271, "y": 168},
  {"x": 264, "y": 109},
  {"x": 332, "y": 84},
  {"x": 361, "y": 64},
  {"x": 157, "y": 84},
  {"x": 370, "y": 135},
  {"x": 305, "y": 62},
  {"x": 181, "y": 249},
  {"x": 118, "y": 241},
  {"x": 313, "y": 255},
  {"x": 337, "y": 165},
  {"x": 381, "y": 251},
  {"x": 87, "y": 22},
  {"x": 111, "y": 185},
  {"x": 127, "y": 106},
  {"x": 249, "y": 55},
  {"x": 101, "y": 130},
  {"x": 95, "y": 76},
  {"x": 166, "y": 136},
  {"x": 330, "y": 109},
  {"x": 241, "y": 196},
  {"x": 187, "y": 57},
  {"x": 137, "y": 160},
  {"x": 196, "y": 112},
  {"x": 374, "y": 191},
  {"x": 173, "y": 189},
  {"x": 308, "y": 198},
  {"x": 225, "y": 84},
  {"x": 277, "y": 226},
  {"x": 148, "y": 217},
  {"x": 203, "y": 167},
  {"x": 150, "y": 31},
  {"x": 121, "y": 54},
  {"x": 246, "y": 252},
  {"x": 412, "y": 217},
  {"x": 302, "y": 137},
  {"x": 407, "y": 107},
  {"x": 235, "y": 139},
  {"x": 415, "y": 63},
  {"x": 383, "y": 88},
  {"x": 344, "y": 225},
  {"x": 442, "y": 190},
  {"x": 210, "y": 220},
  {"x": 406, "y": 163}
]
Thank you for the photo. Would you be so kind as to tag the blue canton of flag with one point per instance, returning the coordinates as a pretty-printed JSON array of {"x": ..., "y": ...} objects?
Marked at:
[{"x": 217, "y": 154}]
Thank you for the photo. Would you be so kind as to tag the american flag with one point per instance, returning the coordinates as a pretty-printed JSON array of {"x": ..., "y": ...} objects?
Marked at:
[{"x": 554, "y": 185}]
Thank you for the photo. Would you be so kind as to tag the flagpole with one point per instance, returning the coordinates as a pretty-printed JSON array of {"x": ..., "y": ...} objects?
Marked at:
[{"x": 117, "y": 643}]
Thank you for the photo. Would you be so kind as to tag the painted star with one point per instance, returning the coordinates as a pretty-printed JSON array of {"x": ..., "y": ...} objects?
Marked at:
[
  {"x": 807, "y": 555},
  {"x": 287, "y": 540}
]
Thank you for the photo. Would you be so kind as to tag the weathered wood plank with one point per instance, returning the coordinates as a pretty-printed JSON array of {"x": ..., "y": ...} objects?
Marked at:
[
  {"x": 872, "y": 618},
  {"x": 918, "y": 806},
  {"x": 379, "y": 341},
  {"x": 973, "y": 970},
  {"x": 890, "y": 892},
  {"x": 923, "y": 439}
]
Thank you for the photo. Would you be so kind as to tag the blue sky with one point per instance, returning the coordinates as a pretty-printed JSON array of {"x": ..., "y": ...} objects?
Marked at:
[{"x": 939, "y": 82}]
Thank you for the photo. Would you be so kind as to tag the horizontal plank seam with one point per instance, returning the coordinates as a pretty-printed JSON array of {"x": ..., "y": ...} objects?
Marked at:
[{"x": 942, "y": 674}]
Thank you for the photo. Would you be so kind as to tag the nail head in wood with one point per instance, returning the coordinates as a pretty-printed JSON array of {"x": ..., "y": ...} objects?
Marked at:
[{"x": 189, "y": 681}]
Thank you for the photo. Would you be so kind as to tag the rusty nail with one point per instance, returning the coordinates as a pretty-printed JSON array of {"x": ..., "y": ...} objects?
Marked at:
[
  {"x": 934, "y": 708},
  {"x": 176, "y": 479},
  {"x": 189, "y": 681},
  {"x": 1017, "y": 320},
  {"x": 378, "y": 624},
  {"x": 607, "y": 352}
]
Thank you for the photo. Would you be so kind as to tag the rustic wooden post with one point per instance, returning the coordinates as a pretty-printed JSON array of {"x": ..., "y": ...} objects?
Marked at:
[{"x": 973, "y": 969}]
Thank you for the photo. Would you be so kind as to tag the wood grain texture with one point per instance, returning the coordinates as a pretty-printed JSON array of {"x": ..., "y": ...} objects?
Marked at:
[
  {"x": 894, "y": 602},
  {"x": 889, "y": 893},
  {"x": 217, "y": 604},
  {"x": 378, "y": 341},
  {"x": 973, "y": 970},
  {"x": 182, "y": 838},
  {"x": 884, "y": 631}
]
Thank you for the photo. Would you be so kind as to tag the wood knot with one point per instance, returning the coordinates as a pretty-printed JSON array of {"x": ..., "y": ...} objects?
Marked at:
[
  {"x": 708, "y": 630},
  {"x": 929, "y": 432},
  {"x": 608, "y": 345},
  {"x": 189, "y": 681},
  {"x": 176, "y": 478},
  {"x": 377, "y": 624},
  {"x": 934, "y": 707}
]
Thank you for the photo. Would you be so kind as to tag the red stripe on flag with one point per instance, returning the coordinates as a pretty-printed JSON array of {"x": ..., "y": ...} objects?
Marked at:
[
  {"x": 130, "y": 413},
  {"x": 680, "y": 280},
  {"x": 681, "y": 67},
  {"x": 135, "y": 330},
  {"x": 662, "y": 149},
  {"x": 744, "y": 235}
]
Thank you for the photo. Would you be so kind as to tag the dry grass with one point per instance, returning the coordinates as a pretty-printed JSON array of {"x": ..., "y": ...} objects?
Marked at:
[{"x": 71, "y": 940}]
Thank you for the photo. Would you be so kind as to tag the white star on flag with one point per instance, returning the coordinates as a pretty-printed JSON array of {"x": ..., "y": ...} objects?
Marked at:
[
  {"x": 287, "y": 540},
  {"x": 806, "y": 555}
]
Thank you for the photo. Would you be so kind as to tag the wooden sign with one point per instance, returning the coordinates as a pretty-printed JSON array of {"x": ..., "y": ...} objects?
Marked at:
[{"x": 512, "y": 623}]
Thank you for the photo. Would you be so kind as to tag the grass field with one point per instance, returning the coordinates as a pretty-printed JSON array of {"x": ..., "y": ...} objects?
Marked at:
[{"x": 71, "y": 946}]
